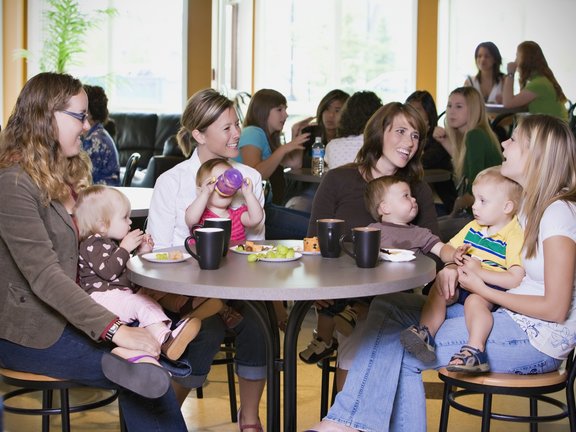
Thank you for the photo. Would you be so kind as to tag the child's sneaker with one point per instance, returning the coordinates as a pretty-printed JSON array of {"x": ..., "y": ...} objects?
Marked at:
[
  {"x": 205, "y": 309},
  {"x": 317, "y": 350},
  {"x": 345, "y": 321},
  {"x": 180, "y": 337},
  {"x": 418, "y": 341}
]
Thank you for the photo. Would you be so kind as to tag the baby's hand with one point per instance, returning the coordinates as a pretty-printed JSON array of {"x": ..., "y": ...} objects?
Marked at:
[
  {"x": 132, "y": 240},
  {"x": 207, "y": 187},
  {"x": 471, "y": 264},
  {"x": 247, "y": 186},
  {"x": 147, "y": 244},
  {"x": 460, "y": 253}
]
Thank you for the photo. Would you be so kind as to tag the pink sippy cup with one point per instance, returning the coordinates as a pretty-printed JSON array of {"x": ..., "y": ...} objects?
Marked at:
[{"x": 229, "y": 182}]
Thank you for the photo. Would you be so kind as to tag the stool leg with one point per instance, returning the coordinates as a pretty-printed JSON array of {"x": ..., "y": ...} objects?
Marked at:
[
  {"x": 46, "y": 405},
  {"x": 231, "y": 388},
  {"x": 486, "y": 412},
  {"x": 324, "y": 387},
  {"x": 65, "y": 410},
  {"x": 199, "y": 392},
  {"x": 533, "y": 414},
  {"x": 445, "y": 410}
]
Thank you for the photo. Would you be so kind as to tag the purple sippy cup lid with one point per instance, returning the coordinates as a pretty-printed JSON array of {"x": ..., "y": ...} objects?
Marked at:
[{"x": 229, "y": 182}]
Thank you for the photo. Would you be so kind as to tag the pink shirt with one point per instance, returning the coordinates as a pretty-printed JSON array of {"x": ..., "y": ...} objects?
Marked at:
[{"x": 238, "y": 232}]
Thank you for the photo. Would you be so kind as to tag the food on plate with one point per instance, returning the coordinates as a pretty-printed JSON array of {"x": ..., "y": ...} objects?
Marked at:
[
  {"x": 280, "y": 252},
  {"x": 251, "y": 247},
  {"x": 169, "y": 256},
  {"x": 311, "y": 244}
]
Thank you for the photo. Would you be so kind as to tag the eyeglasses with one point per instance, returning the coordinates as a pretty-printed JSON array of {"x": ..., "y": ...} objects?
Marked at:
[{"x": 78, "y": 116}]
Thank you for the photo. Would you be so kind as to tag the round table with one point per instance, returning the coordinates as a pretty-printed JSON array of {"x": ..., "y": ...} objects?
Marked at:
[
  {"x": 302, "y": 174},
  {"x": 310, "y": 278}
]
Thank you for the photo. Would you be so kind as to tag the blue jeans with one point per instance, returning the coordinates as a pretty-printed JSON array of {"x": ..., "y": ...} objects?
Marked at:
[
  {"x": 285, "y": 223},
  {"x": 250, "y": 350},
  {"x": 383, "y": 372},
  {"x": 77, "y": 358}
]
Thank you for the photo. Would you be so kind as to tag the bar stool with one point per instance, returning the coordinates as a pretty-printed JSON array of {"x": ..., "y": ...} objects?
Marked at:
[
  {"x": 534, "y": 387},
  {"x": 327, "y": 368},
  {"x": 31, "y": 383}
]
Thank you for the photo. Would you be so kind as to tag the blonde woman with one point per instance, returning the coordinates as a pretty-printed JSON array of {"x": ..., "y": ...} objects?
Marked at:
[
  {"x": 535, "y": 327},
  {"x": 473, "y": 146}
]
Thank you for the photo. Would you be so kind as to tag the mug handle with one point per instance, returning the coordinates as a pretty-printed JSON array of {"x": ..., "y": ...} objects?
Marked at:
[
  {"x": 189, "y": 249},
  {"x": 194, "y": 227},
  {"x": 344, "y": 247}
]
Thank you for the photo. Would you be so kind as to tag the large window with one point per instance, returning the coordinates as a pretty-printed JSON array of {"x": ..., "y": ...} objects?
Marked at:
[
  {"x": 306, "y": 48},
  {"x": 465, "y": 23},
  {"x": 136, "y": 55}
]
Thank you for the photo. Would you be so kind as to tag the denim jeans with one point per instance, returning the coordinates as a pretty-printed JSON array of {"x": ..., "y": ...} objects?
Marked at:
[
  {"x": 250, "y": 349},
  {"x": 77, "y": 358},
  {"x": 384, "y": 389}
]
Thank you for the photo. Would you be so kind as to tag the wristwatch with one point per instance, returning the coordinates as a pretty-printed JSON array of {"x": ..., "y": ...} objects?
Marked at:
[
  {"x": 112, "y": 330},
  {"x": 510, "y": 74}
]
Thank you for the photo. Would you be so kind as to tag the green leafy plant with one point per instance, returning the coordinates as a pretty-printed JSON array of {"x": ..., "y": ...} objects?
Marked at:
[{"x": 65, "y": 29}]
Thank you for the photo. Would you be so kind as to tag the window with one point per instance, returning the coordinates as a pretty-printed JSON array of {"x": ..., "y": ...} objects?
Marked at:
[
  {"x": 463, "y": 24},
  {"x": 136, "y": 55},
  {"x": 306, "y": 48}
]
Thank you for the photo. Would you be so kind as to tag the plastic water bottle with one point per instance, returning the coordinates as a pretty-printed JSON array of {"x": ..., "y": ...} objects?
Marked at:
[
  {"x": 229, "y": 182},
  {"x": 318, "y": 157}
]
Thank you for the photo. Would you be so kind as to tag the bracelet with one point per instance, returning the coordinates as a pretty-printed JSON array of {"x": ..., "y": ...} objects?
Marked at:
[
  {"x": 112, "y": 330},
  {"x": 510, "y": 75}
]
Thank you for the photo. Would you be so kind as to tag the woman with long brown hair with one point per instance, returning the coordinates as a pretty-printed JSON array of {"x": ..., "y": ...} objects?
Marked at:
[{"x": 539, "y": 89}]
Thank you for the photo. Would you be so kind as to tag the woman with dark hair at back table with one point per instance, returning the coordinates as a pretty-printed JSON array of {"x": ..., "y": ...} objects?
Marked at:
[
  {"x": 97, "y": 142},
  {"x": 539, "y": 89},
  {"x": 488, "y": 81},
  {"x": 260, "y": 148},
  {"x": 435, "y": 155},
  {"x": 353, "y": 118}
]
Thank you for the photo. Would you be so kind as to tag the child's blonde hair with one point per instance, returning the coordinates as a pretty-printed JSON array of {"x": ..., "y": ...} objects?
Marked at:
[
  {"x": 493, "y": 175},
  {"x": 207, "y": 167},
  {"x": 95, "y": 207},
  {"x": 377, "y": 190}
]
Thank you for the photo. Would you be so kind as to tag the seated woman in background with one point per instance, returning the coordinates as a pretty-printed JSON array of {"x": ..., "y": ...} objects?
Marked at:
[
  {"x": 539, "y": 89},
  {"x": 355, "y": 114},
  {"x": 488, "y": 81},
  {"x": 473, "y": 146},
  {"x": 260, "y": 148},
  {"x": 434, "y": 156},
  {"x": 97, "y": 142}
]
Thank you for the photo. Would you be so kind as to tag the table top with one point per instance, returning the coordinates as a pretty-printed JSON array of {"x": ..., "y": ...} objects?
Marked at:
[
  {"x": 309, "y": 278},
  {"x": 303, "y": 175},
  {"x": 139, "y": 199},
  {"x": 436, "y": 175},
  {"x": 499, "y": 109}
]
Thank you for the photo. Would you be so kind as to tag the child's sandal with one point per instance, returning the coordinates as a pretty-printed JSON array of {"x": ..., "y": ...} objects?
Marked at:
[{"x": 471, "y": 359}]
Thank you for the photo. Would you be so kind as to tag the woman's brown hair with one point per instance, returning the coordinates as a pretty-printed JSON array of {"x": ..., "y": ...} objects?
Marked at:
[
  {"x": 30, "y": 138},
  {"x": 261, "y": 103}
]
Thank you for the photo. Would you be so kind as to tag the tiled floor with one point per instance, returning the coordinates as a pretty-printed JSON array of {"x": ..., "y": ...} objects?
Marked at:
[{"x": 211, "y": 414}]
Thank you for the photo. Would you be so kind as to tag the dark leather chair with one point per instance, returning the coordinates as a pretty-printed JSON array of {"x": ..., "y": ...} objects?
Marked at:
[
  {"x": 131, "y": 166},
  {"x": 156, "y": 166}
]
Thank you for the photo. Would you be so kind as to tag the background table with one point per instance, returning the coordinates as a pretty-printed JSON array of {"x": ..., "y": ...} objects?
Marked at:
[
  {"x": 304, "y": 280},
  {"x": 303, "y": 175},
  {"x": 139, "y": 199}
]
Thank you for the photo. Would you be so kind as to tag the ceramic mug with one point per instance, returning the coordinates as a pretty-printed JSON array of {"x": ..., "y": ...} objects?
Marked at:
[
  {"x": 224, "y": 223},
  {"x": 329, "y": 233},
  {"x": 209, "y": 245},
  {"x": 366, "y": 246}
]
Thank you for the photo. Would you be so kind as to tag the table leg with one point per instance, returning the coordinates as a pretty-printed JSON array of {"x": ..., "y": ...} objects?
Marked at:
[
  {"x": 295, "y": 319},
  {"x": 270, "y": 331}
]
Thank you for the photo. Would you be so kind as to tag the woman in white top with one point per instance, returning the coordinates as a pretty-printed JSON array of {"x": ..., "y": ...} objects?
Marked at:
[
  {"x": 488, "y": 81},
  {"x": 355, "y": 114},
  {"x": 210, "y": 123},
  {"x": 535, "y": 327}
]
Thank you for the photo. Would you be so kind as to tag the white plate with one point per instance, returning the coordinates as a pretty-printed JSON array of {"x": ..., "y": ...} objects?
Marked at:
[
  {"x": 245, "y": 252},
  {"x": 298, "y": 246},
  {"x": 152, "y": 258},
  {"x": 397, "y": 255},
  {"x": 297, "y": 256}
]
